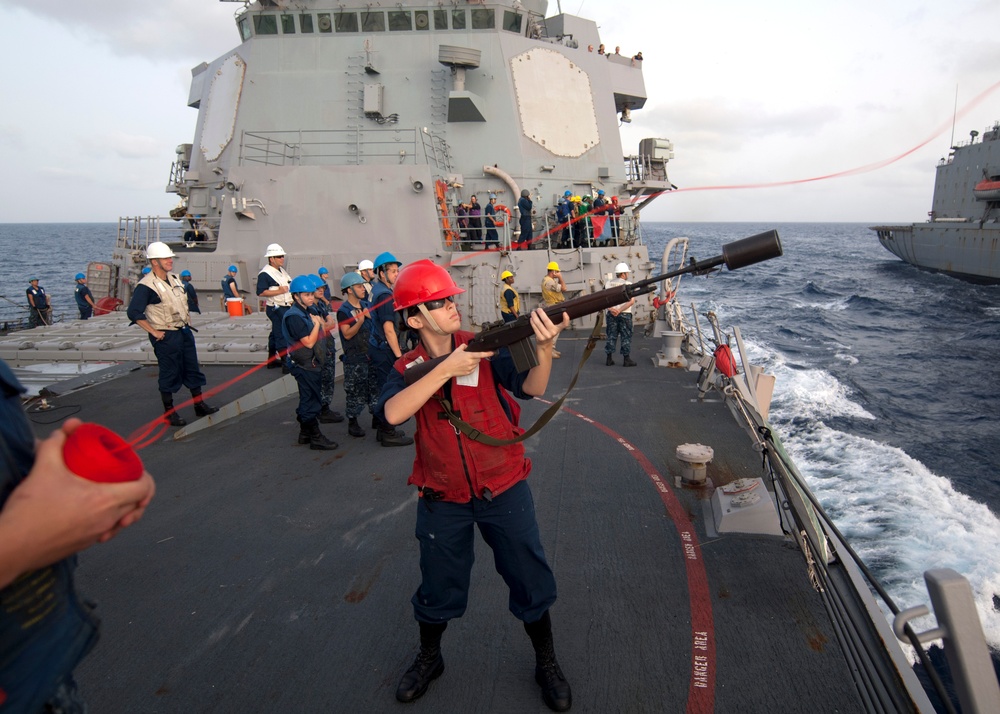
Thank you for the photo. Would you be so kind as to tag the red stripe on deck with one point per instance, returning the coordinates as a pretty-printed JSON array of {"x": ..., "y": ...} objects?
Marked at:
[{"x": 701, "y": 688}]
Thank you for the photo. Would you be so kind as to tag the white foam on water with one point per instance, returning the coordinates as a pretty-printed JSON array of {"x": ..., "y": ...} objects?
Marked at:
[{"x": 901, "y": 518}]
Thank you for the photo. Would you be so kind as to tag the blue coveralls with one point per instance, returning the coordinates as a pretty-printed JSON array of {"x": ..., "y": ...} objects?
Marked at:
[
  {"x": 192, "y": 298},
  {"x": 524, "y": 206},
  {"x": 308, "y": 374},
  {"x": 227, "y": 287},
  {"x": 491, "y": 230},
  {"x": 45, "y": 630},
  {"x": 80, "y": 293}
]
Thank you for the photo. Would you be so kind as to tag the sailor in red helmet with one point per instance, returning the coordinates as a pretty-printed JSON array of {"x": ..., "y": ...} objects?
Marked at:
[{"x": 465, "y": 483}]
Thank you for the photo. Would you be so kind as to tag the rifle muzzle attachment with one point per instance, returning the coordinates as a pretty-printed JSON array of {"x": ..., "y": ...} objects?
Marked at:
[{"x": 754, "y": 249}]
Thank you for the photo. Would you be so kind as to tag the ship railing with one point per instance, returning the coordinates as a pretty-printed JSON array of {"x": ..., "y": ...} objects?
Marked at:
[
  {"x": 644, "y": 169},
  {"x": 344, "y": 147},
  {"x": 136, "y": 232},
  {"x": 883, "y": 673}
]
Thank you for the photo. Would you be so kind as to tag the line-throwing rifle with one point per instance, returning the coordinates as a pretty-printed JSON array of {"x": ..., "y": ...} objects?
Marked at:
[{"x": 515, "y": 335}]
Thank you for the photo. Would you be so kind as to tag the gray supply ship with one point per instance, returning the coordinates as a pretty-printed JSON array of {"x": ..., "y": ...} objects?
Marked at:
[
  {"x": 696, "y": 570},
  {"x": 962, "y": 235}
]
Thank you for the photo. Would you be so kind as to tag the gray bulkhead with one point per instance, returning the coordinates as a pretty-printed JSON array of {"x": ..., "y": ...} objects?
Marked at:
[{"x": 331, "y": 144}]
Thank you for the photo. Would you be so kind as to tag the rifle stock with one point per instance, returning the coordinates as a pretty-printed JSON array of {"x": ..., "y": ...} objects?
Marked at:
[{"x": 516, "y": 334}]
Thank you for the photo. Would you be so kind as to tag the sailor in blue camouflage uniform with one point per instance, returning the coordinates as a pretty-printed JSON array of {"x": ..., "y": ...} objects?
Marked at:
[
  {"x": 619, "y": 321},
  {"x": 353, "y": 318},
  {"x": 47, "y": 515},
  {"x": 321, "y": 307},
  {"x": 384, "y": 346}
]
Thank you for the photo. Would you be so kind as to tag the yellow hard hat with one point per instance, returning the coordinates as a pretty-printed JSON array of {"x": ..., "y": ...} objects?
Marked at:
[
  {"x": 552, "y": 266},
  {"x": 506, "y": 274}
]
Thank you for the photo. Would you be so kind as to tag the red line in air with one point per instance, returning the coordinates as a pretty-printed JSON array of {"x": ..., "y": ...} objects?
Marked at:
[{"x": 152, "y": 431}]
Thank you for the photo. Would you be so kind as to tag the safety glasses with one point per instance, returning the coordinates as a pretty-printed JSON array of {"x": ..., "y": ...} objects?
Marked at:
[{"x": 437, "y": 304}]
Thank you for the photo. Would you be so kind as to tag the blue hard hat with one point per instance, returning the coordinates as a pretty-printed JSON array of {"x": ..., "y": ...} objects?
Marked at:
[
  {"x": 185, "y": 273},
  {"x": 323, "y": 271},
  {"x": 145, "y": 271},
  {"x": 79, "y": 276},
  {"x": 600, "y": 192},
  {"x": 350, "y": 279},
  {"x": 385, "y": 259},
  {"x": 31, "y": 280},
  {"x": 567, "y": 194},
  {"x": 317, "y": 281},
  {"x": 302, "y": 284},
  {"x": 232, "y": 269}
]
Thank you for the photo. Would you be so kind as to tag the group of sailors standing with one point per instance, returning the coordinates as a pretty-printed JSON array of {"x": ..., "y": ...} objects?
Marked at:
[{"x": 303, "y": 317}]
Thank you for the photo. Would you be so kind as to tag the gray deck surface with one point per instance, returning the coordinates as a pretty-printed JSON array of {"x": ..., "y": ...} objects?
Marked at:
[{"x": 268, "y": 577}]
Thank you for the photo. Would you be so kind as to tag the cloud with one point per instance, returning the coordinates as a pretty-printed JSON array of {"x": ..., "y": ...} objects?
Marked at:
[{"x": 163, "y": 31}]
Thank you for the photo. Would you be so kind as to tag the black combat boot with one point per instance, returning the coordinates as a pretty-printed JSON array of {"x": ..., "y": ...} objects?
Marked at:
[
  {"x": 376, "y": 424},
  {"x": 172, "y": 417},
  {"x": 555, "y": 689},
  {"x": 272, "y": 360},
  {"x": 328, "y": 416},
  {"x": 627, "y": 362},
  {"x": 201, "y": 407},
  {"x": 609, "y": 361},
  {"x": 427, "y": 667},
  {"x": 309, "y": 433},
  {"x": 353, "y": 428},
  {"x": 388, "y": 436}
]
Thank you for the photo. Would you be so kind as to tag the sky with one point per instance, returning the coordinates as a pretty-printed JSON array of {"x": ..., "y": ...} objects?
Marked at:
[{"x": 775, "y": 91}]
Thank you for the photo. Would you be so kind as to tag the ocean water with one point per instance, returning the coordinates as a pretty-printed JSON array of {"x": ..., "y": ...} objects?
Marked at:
[
  {"x": 53, "y": 253},
  {"x": 887, "y": 394},
  {"x": 887, "y": 387}
]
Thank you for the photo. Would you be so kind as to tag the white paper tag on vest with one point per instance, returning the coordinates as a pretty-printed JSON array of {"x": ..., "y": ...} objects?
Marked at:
[{"x": 469, "y": 380}]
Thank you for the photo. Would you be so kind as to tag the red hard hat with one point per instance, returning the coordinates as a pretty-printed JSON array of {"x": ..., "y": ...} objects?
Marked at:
[{"x": 421, "y": 281}]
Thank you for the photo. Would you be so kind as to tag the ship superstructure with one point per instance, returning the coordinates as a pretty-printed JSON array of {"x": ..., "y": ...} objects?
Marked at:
[
  {"x": 340, "y": 132},
  {"x": 962, "y": 235}
]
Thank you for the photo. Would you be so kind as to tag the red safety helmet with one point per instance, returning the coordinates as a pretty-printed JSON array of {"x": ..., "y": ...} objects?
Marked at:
[{"x": 422, "y": 281}]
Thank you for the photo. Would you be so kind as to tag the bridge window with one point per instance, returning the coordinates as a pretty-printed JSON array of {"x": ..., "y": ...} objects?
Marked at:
[
  {"x": 400, "y": 21},
  {"x": 373, "y": 21},
  {"x": 306, "y": 23},
  {"x": 483, "y": 19},
  {"x": 511, "y": 21},
  {"x": 324, "y": 23},
  {"x": 422, "y": 20},
  {"x": 346, "y": 21},
  {"x": 440, "y": 19},
  {"x": 245, "y": 33},
  {"x": 458, "y": 19},
  {"x": 288, "y": 24},
  {"x": 265, "y": 25}
]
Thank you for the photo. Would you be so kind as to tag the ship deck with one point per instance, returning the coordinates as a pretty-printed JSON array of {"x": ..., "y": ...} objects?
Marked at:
[{"x": 268, "y": 577}]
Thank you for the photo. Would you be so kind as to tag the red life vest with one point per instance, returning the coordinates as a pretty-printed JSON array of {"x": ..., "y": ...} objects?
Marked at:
[{"x": 449, "y": 463}]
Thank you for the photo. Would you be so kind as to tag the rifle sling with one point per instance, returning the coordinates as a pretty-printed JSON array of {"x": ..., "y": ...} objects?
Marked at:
[{"x": 546, "y": 416}]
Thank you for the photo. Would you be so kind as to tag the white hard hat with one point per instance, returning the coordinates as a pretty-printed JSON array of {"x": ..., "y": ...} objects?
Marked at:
[
  {"x": 366, "y": 265},
  {"x": 274, "y": 251},
  {"x": 622, "y": 268},
  {"x": 158, "y": 250}
]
